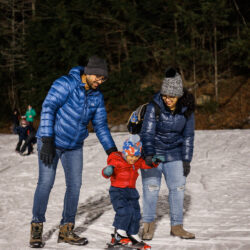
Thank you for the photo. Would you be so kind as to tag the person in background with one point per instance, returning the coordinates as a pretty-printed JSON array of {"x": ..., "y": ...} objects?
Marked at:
[
  {"x": 29, "y": 141},
  {"x": 71, "y": 103},
  {"x": 23, "y": 131},
  {"x": 122, "y": 170},
  {"x": 171, "y": 136},
  {"x": 30, "y": 114},
  {"x": 15, "y": 119}
]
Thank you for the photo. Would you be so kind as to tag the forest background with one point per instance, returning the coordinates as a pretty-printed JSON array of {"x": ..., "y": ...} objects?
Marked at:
[{"x": 207, "y": 40}]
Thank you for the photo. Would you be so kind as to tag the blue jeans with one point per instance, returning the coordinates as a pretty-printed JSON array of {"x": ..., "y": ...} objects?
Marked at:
[
  {"x": 151, "y": 181},
  {"x": 72, "y": 162},
  {"x": 125, "y": 202}
]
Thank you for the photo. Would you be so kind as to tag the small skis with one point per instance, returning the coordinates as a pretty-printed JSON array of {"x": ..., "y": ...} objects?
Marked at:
[
  {"x": 122, "y": 247},
  {"x": 131, "y": 244}
]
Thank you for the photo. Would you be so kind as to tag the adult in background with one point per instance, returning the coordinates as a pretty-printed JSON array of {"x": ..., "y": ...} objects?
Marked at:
[
  {"x": 30, "y": 114},
  {"x": 72, "y": 101},
  {"x": 15, "y": 120},
  {"x": 170, "y": 135}
]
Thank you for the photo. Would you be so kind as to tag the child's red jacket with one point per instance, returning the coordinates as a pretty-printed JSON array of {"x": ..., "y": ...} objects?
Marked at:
[{"x": 125, "y": 174}]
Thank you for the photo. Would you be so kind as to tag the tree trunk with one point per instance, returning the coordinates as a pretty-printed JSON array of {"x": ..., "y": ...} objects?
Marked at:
[
  {"x": 193, "y": 51},
  {"x": 176, "y": 46},
  {"x": 12, "y": 59},
  {"x": 215, "y": 65},
  {"x": 33, "y": 8}
]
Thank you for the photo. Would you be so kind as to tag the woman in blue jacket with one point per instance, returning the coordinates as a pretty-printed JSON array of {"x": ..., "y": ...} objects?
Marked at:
[{"x": 171, "y": 134}]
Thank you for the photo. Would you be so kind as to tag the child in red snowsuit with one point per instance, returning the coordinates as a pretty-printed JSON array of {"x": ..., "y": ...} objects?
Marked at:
[{"x": 123, "y": 172}]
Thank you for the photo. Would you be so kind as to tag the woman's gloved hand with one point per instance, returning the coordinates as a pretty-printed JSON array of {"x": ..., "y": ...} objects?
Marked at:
[
  {"x": 158, "y": 158},
  {"x": 149, "y": 160},
  {"x": 186, "y": 168}
]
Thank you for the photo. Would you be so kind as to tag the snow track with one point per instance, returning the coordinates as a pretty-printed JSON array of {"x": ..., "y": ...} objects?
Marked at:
[{"x": 216, "y": 206}]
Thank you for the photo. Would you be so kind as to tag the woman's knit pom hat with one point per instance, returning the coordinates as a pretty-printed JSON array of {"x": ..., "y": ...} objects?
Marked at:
[
  {"x": 172, "y": 83},
  {"x": 132, "y": 146}
]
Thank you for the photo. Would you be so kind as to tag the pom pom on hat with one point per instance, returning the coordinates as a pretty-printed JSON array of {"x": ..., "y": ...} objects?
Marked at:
[{"x": 170, "y": 72}]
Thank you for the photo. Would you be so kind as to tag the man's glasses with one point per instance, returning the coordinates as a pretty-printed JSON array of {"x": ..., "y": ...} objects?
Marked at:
[{"x": 100, "y": 78}]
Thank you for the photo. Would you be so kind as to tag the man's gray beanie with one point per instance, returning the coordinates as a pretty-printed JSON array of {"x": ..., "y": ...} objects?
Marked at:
[
  {"x": 96, "y": 66},
  {"x": 172, "y": 84}
]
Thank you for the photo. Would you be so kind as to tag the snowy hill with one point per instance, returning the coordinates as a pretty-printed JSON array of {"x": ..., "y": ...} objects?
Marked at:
[{"x": 217, "y": 200}]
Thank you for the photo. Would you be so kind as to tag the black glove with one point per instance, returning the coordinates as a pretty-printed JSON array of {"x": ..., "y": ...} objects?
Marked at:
[
  {"x": 186, "y": 168},
  {"x": 48, "y": 151},
  {"x": 110, "y": 150},
  {"x": 149, "y": 160}
]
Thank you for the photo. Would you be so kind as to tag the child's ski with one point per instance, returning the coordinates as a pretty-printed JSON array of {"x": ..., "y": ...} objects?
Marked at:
[{"x": 121, "y": 247}]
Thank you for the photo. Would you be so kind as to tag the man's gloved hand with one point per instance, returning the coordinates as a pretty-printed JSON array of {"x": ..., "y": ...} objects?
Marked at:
[
  {"x": 158, "y": 158},
  {"x": 48, "y": 151},
  {"x": 110, "y": 150},
  {"x": 109, "y": 170},
  {"x": 186, "y": 168},
  {"x": 149, "y": 160}
]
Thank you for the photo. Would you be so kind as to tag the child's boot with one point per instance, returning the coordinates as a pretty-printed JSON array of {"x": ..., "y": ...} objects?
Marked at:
[
  {"x": 36, "y": 232},
  {"x": 148, "y": 230},
  {"x": 67, "y": 235},
  {"x": 119, "y": 238},
  {"x": 18, "y": 146},
  {"x": 137, "y": 243},
  {"x": 180, "y": 232}
]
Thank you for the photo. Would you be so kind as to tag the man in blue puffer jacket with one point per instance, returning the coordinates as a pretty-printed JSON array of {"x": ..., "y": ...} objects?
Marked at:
[
  {"x": 70, "y": 104},
  {"x": 170, "y": 135}
]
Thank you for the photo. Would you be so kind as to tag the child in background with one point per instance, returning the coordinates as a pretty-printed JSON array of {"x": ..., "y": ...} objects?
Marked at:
[
  {"x": 30, "y": 141},
  {"x": 23, "y": 131},
  {"x": 123, "y": 171}
]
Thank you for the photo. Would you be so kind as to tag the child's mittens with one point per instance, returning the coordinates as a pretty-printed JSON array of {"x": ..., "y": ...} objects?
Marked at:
[
  {"x": 109, "y": 170},
  {"x": 158, "y": 159}
]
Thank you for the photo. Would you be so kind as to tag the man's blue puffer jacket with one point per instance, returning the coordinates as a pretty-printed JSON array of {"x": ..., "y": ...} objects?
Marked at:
[
  {"x": 172, "y": 135},
  {"x": 67, "y": 110}
]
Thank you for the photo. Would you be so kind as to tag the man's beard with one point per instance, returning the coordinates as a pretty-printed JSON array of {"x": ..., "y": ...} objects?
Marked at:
[{"x": 91, "y": 84}]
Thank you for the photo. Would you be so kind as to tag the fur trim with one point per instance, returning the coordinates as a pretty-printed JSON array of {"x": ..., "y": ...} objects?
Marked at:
[{"x": 187, "y": 100}]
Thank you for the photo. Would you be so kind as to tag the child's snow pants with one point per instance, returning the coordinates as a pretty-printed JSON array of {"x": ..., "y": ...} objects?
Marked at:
[{"x": 125, "y": 202}]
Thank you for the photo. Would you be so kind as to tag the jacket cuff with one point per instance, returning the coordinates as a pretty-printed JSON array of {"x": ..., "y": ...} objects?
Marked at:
[
  {"x": 47, "y": 139},
  {"x": 113, "y": 149}
]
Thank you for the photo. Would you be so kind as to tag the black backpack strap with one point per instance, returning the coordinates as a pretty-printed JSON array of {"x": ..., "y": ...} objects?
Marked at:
[{"x": 157, "y": 110}]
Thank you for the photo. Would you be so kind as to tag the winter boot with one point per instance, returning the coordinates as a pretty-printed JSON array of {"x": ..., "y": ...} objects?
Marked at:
[
  {"x": 18, "y": 146},
  {"x": 148, "y": 230},
  {"x": 67, "y": 235},
  {"x": 138, "y": 244},
  {"x": 36, "y": 235},
  {"x": 180, "y": 232}
]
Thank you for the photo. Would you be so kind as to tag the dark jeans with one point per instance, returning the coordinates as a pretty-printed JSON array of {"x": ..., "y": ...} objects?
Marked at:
[
  {"x": 31, "y": 139},
  {"x": 19, "y": 144},
  {"x": 72, "y": 162},
  {"x": 125, "y": 202}
]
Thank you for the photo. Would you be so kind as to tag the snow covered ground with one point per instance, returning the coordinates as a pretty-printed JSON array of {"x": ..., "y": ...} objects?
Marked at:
[{"x": 217, "y": 198}]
